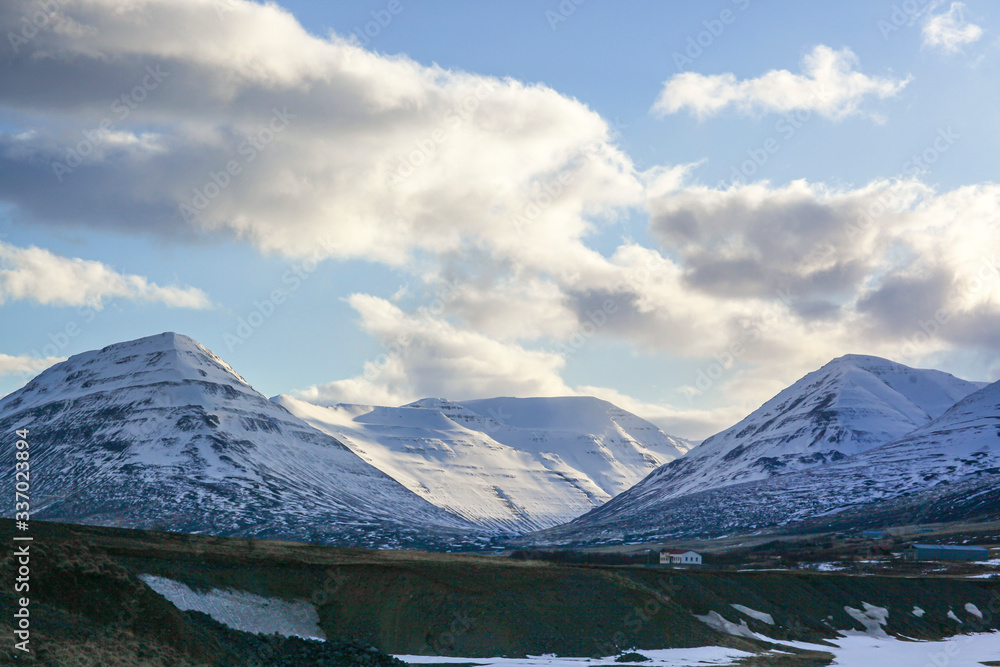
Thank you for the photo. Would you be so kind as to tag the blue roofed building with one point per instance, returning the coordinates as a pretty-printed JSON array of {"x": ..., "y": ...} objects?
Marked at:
[{"x": 945, "y": 552}]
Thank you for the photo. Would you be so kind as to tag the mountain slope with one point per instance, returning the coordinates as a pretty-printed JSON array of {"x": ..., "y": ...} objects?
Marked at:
[
  {"x": 848, "y": 406},
  {"x": 161, "y": 432},
  {"x": 505, "y": 463},
  {"x": 947, "y": 470}
]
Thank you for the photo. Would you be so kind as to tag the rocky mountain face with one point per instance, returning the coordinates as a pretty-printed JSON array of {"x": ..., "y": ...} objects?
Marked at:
[
  {"x": 848, "y": 406},
  {"x": 945, "y": 470},
  {"x": 160, "y": 432}
]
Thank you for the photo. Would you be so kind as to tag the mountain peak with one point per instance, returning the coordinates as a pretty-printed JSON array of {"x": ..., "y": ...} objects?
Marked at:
[
  {"x": 862, "y": 361},
  {"x": 167, "y": 356},
  {"x": 168, "y": 341},
  {"x": 850, "y": 405},
  {"x": 871, "y": 364},
  {"x": 429, "y": 403},
  {"x": 161, "y": 430},
  {"x": 161, "y": 342}
]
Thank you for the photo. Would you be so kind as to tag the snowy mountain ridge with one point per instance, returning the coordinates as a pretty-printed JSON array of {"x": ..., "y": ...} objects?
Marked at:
[
  {"x": 850, "y": 405},
  {"x": 512, "y": 464},
  {"x": 161, "y": 432},
  {"x": 945, "y": 470}
]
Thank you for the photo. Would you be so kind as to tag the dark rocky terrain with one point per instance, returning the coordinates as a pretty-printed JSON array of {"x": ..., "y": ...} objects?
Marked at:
[{"x": 90, "y": 607}]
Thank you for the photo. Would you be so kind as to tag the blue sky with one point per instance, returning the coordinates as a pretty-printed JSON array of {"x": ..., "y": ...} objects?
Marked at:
[{"x": 648, "y": 275}]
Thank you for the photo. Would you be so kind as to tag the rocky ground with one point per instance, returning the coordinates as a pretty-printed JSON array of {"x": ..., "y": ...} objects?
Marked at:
[{"x": 89, "y": 606}]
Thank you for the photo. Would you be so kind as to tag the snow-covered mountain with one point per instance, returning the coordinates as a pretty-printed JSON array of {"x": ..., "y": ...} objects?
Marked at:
[
  {"x": 511, "y": 464},
  {"x": 848, "y": 406},
  {"x": 160, "y": 432},
  {"x": 946, "y": 470},
  {"x": 964, "y": 442}
]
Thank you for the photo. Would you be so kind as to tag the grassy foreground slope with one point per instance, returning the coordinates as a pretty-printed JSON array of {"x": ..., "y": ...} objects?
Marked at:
[
  {"x": 89, "y": 610},
  {"x": 408, "y": 602}
]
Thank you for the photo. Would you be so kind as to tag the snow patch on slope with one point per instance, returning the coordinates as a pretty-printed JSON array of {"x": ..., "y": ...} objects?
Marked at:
[
  {"x": 243, "y": 611},
  {"x": 872, "y": 618},
  {"x": 752, "y": 613},
  {"x": 716, "y": 621}
]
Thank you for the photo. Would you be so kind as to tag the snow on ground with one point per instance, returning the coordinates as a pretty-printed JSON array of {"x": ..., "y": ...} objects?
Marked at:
[
  {"x": 752, "y": 613},
  {"x": 952, "y": 616},
  {"x": 973, "y": 609},
  {"x": 671, "y": 657},
  {"x": 716, "y": 621},
  {"x": 828, "y": 567},
  {"x": 918, "y": 612},
  {"x": 243, "y": 611},
  {"x": 873, "y": 618},
  {"x": 864, "y": 651},
  {"x": 857, "y": 650}
]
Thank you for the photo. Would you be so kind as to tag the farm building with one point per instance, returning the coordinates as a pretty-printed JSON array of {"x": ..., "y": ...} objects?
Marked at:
[
  {"x": 679, "y": 557},
  {"x": 945, "y": 552},
  {"x": 874, "y": 534}
]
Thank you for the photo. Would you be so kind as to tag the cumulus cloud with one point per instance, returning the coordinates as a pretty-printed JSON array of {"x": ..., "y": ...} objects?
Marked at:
[
  {"x": 424, "y": 355},
  {"x": 754, "y": 239},
  {"x": 762, "y": 284},
  {"x": 829, "y": 85},
  {"x": 890, "y": 259},
  {"x": 160, "y": 117},
  {"x": 256, "y": 128},
  {"x": 637, "y": 295},
  {"x": 35, "y": 274},
  {"x": 949, "y": 31},
  {"x": 25, "y": 365}
]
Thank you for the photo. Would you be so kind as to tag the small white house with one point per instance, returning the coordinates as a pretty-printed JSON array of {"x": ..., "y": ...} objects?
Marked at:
[{"x": 679, "y": 557}]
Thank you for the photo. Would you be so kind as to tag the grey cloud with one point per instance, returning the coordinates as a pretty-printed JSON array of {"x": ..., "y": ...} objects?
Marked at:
[
  {"x": 816, "y": 309},
  {"x": 979, "y": 328},
  {"x": 92, "y": 194},
  {"x": 386, "y": 155},
  {"x": 900, "y": 303},
  {"x": 738, "y": 245}
]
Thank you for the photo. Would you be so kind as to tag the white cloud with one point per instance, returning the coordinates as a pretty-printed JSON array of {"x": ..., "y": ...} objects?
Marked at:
[
  {"x": 878, "y": 265},
  {"x": 949, "y": 31},
  {"x": 387, "y": 156},
  {"x": 491, "y": 183},
  {"x": 25, "y": 365},
  {"x": 762, "y": 284},
  {"x": 35, "y": 274},
  {"x": 424, "y": 355},
  {"x": 828, "y": 86}
]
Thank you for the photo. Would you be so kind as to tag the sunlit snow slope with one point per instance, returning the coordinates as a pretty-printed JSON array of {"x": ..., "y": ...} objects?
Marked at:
[{"x": 506, "y": 463}]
